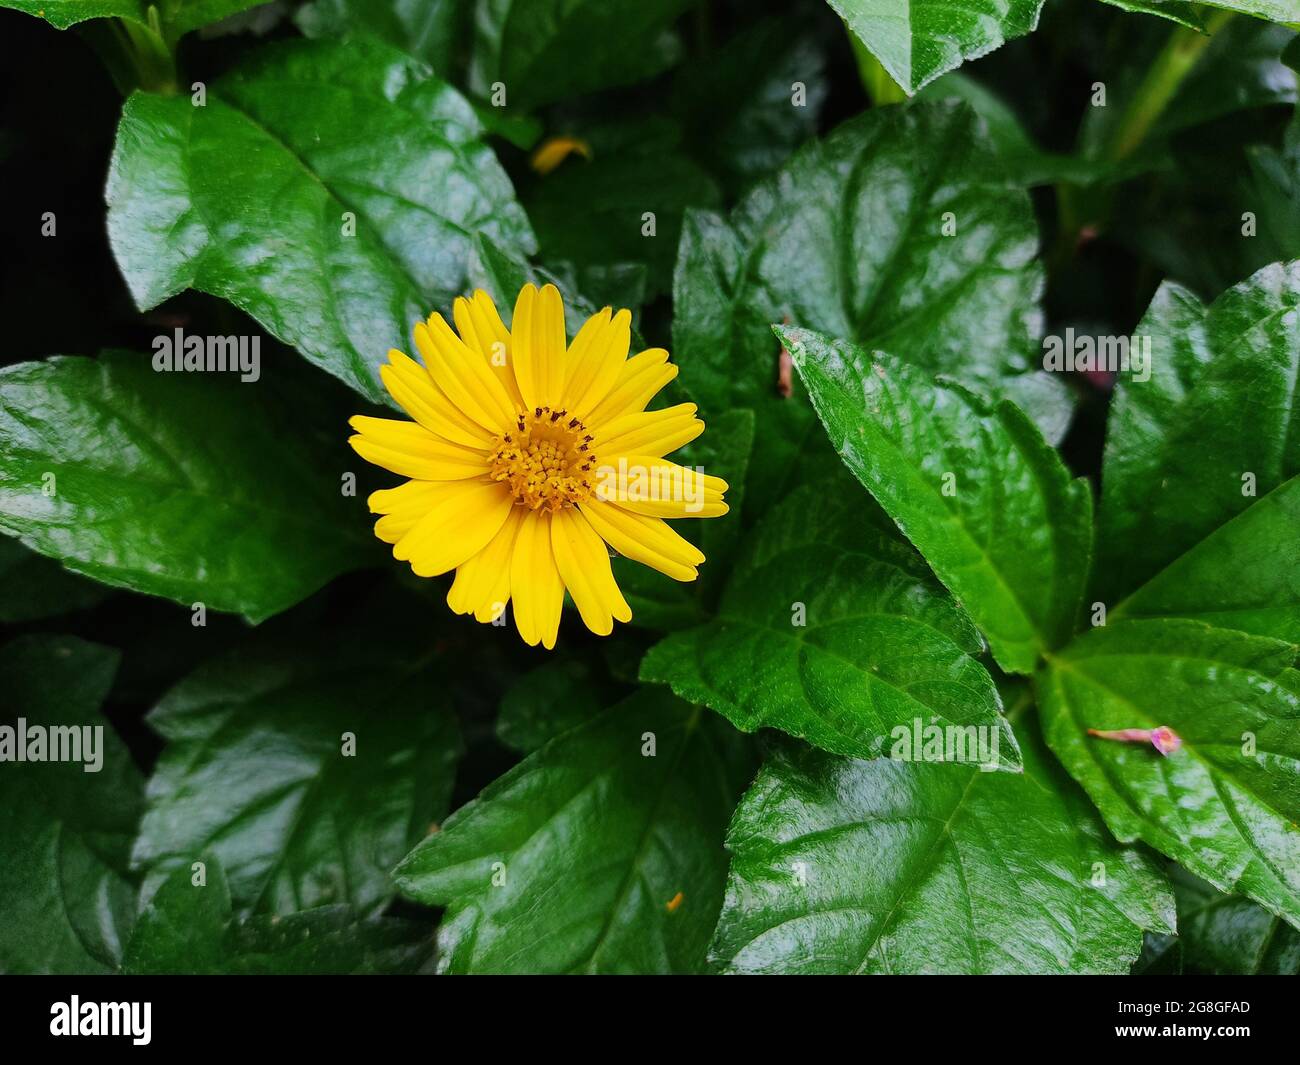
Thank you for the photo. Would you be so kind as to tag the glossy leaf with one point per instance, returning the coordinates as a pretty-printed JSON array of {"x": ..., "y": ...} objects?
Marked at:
[
  {"x": 1222, "y": 934},
  {"x": 66, "y": 902},
  {"x": 173, "y": 484},
  {"x": 331, "y": 191},
  {"x": 307, "y": 768},
  {"x": 973, "y": 485},
  {"x": 1215, "y": 422},
  {"x": 842, "y": 866},
  {"x": 1225, "y": 805},
  {"x": 1242, "y": 576},
  {"x": 924, "y": 38},
  {"x": 848, "y": 238},
  {"x": 832, "y": 629},
  {"x": 590, "y": 855},
  {"x": 189, "y": 929}
]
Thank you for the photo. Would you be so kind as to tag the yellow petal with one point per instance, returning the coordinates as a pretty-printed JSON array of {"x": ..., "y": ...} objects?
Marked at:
[
  {"x": 535, "y": 585},
  {"x": 650, "y": 541},
  {"x": 583, "y": 562},
  {"x": 537, "y": 333},
  {"x": 595, "y": 360},
  {"x": 410, "y": 449},
  {"x": 639, "y": 381},
  {"x": 481, "y": 328},
  {"x": 647, "y": 484},
  {"x": 459, "y": 525},
  {"x": 463, "y": 375},
  {"x": 482, "y": 584},
  {"x": 653, "y": 432},
  {"x": 405, "y": 505},
  {"x": 410, "y": 384}
]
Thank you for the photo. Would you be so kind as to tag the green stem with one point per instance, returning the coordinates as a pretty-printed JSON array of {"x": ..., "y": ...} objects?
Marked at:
[
  {"x": 882, "y": 88},
  {"x": 1162, "y": 81}
]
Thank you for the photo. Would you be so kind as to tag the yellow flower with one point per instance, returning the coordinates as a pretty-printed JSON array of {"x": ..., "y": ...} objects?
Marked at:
[{"x": 529, "y": 454}]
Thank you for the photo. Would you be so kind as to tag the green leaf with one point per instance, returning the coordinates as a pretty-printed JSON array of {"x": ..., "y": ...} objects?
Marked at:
[
  {"x": 973, "y": 485},
  {"x": 1216, "y": 419},
  {"x": 177, "y": 19},
  {"x": 737, "y": 105},
  {"x": 843, "y": 866},
  {"x": 189, "y": 929},
  {"x": 541, "y": 51},
  {"x": 32, "y": 587},
  {"x": 658, "y": 601},
  {"x": 436, "y": 31},
  {"x": 1224, "y": 934},
  {"x": 259, "y": 772},
  {"x": 252, "y": 198},
  {"x": 1180, "y": 11},
  {"x": 173, "y": 484},
  {"x": 574, "y": 860},
  {"x": 1225, "y": 805},
  {"x": 833, "y": 630},
  {"x": 919, "y": 41},
  {"x": 1242, "y": 576},
  {"x": 848, "y": 239},
  {"x": 557, "y": 696},
  {"x": 66, "y": 903},
  {"x": 1023, "y": 159}
]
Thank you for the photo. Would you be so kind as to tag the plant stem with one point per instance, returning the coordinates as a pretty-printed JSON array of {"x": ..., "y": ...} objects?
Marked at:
[{"x": 1162, "y": 81}]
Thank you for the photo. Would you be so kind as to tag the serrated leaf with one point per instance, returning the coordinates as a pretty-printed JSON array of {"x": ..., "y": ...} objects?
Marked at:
[
  {"x": 919, "y": 40},
  {"x": 179, "y": 18},
  {"x": 847, "y": 238},
  {"x": 258, "y": 770},
  {"x": 973, "y": 485},
  {"x": 255, "y": 197},
  {"x": 833, "y": 630},
  {"x": 1225, "y": 805},
  {"x": 188, "y": 928},
  {"x": 1180, "y": 456},
  {"x": 842, "y": 866},
  {"x": 173, "y": 484},
  {"x": 1242, "y": 576},
  {"x": 1222, "y": 935},
  {"x": 541, "y": 51},
  {"x": 590, "y": 855},
  {"x": 66, "y": 902}
]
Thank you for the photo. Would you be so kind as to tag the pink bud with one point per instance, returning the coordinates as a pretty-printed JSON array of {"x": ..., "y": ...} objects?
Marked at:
[{"x": 1162, "y": 738}]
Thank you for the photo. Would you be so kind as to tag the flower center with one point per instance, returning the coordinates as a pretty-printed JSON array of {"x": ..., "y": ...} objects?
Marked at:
[{"x": 546, "y": 460}]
